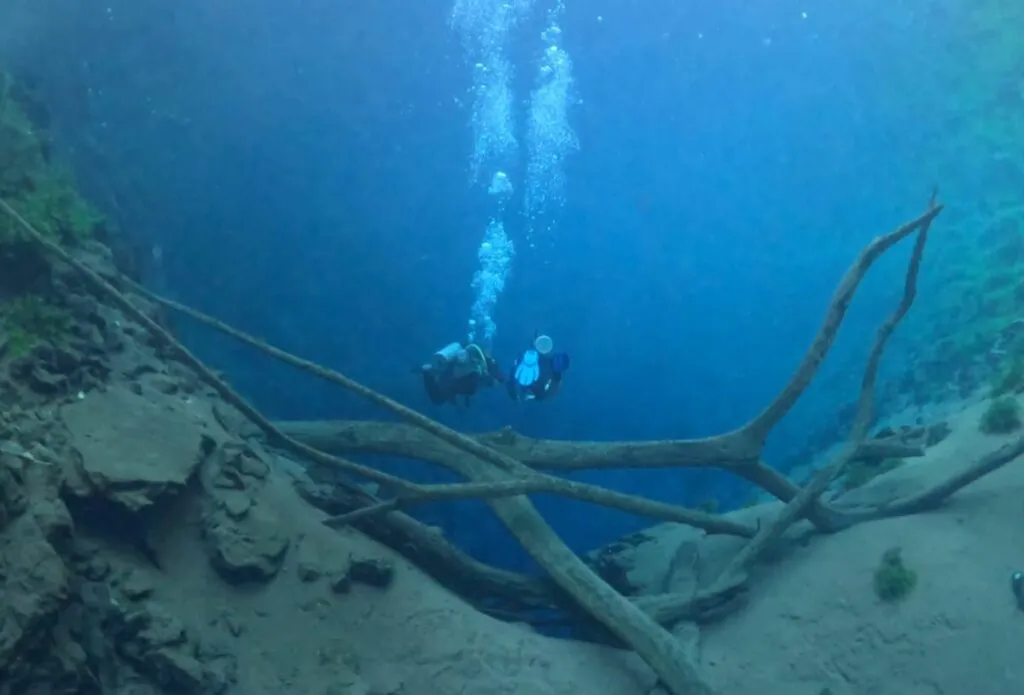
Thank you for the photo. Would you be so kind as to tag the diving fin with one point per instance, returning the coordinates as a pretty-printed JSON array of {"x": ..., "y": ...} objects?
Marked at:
[{"x": 528, "y": 370}]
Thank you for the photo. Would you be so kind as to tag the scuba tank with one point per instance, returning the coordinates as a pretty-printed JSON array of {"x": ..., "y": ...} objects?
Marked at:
[
  {"x": 461, "y": 359},
  {"x": 449, "y": 353}
]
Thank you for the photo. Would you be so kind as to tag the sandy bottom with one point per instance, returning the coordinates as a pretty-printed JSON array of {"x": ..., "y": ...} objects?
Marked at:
[
  {"x": 811, "y": 626},
  {"x": 413, "y": 638}
]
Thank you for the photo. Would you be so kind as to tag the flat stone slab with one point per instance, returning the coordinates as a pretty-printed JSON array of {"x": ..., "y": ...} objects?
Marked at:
[{"x": 135, "y": 448}]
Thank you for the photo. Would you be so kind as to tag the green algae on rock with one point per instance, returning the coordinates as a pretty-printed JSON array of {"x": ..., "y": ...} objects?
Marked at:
[{"x": 40, "y": 189}]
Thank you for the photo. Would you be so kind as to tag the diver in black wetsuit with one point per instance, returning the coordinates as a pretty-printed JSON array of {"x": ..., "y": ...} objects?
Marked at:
[
  {"x": 458, "y": 370},
  {"x": 537, "y": 373}
]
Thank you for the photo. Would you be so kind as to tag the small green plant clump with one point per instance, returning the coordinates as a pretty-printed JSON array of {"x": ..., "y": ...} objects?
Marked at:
[
  {"x": 1001, "y": 417},
  {"x": 894, "y": 580},
  {"x": 860, "y": 473}
]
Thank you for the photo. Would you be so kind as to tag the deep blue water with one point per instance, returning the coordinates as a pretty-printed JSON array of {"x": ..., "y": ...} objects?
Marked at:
[{"x": 303, "y": 169}]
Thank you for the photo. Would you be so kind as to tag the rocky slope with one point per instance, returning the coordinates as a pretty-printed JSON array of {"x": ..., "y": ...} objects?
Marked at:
[{"x": 147, "y": 547}]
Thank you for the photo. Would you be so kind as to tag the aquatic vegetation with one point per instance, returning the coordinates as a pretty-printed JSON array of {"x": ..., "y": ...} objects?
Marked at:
[
  {"x": 862, "y": 472},
  {"x": 40, "y": 189},
  {"x": 43, "y": 192},
  {"x": 1001, "y": 417},
  {"x": 893, "y": 579},
  {"x": 29, "y": 320},
  {"x": 978, "y": 96}
]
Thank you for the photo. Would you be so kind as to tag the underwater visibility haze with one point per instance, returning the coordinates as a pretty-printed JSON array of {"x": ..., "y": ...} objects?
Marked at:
[{"x": 582, "y": 230}]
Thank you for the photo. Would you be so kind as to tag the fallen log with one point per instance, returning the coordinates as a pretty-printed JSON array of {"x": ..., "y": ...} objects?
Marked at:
[{"x": 350, "y": 437}]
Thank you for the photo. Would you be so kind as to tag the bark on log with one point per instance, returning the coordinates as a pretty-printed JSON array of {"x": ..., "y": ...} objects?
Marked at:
[{"x": 347, "y": 437}]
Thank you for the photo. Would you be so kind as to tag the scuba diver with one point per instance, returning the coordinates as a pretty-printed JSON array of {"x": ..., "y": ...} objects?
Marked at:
[
  {"x": 537, "y": 373},
  {"x": 459, "y": 370}
]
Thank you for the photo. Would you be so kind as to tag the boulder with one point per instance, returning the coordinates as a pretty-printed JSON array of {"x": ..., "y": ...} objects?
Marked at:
[
  {"x": 135, "y": 448},
  {"x": 33, "y": 587},
  {"x": 251, "y": 549}
]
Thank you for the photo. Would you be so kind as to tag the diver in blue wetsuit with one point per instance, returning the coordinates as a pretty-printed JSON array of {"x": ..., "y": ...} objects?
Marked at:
[{"x": 537, "y": 372}]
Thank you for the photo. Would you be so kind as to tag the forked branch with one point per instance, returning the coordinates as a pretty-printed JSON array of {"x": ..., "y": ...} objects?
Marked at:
[
  {"x": 496, "y": 465},
  {"x": 738, "y": 451}
]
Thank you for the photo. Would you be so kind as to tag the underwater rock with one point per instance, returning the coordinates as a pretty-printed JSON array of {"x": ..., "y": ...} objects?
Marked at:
[
  {"x": 342, "y": 582},
  {"x": 937, "y": 432},
  {"x": 132, "y": 450},
  {"x": 131, "y": 643},
  {"x": 41, "y": 484},
  {"x": 34, "y": 585},
  {"x": 52, "y": 369},
  {"x": 67, "y": 633},
  {"x": 235, "y": 503},
  {"x": 372, "y": 571},
  {"x": 307, "y": 565},
  {"x": 250, "y": 550},
  {"x": 245, "y": 459},
  {"x": 13, "y": 502},
  {"x": 135, "y": 585},
  {"x": 160, "y": 647},
  {"x": 87, "y": 561},
  {"x": 375, "y": 572},
  {"x": 614, "y": 562},
  {"x": 308, "y": 571},
  {"x": 237, "y": 466}
]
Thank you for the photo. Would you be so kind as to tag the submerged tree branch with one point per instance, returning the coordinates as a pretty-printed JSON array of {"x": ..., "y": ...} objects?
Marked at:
[
  {"x": 796, "y": 508},
  {"x": 350, "y": 437},
  {"x": 712, "y": 523},
  {"x": 503, "y": 467},
  {"x": 625, "y": 620}
]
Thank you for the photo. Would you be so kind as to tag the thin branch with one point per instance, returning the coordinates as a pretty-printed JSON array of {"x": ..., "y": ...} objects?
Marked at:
[
  {"x": 539, "y": 483},
  {"x": 759, "y": 427},
  {"x": 935, "y": 495},
  {"x": 796, "y": 508}
]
